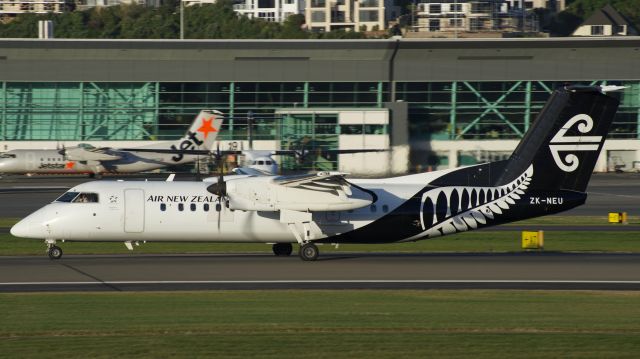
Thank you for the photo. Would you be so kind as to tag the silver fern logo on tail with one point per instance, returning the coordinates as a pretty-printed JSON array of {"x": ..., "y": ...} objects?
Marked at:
[
  {"x": 467, "y": 207},
  {"x": 562, "y": 143}
]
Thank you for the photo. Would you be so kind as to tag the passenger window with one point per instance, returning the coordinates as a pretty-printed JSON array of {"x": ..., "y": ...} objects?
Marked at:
[
  {"x": 67, "y": 197},
  {"x": 385, "y": 208},
  {"x": 193, "y": 207},
  {"x": 260, "y": 162},
  {"x": 267, "y": 162},
  {"x": 7, "y": 155},
  {"x": 180, "y": 207},
  {"x": 205, "y": 207},
  {"x": 86, "y": 197},
  {"x": 163, "y": 207}
]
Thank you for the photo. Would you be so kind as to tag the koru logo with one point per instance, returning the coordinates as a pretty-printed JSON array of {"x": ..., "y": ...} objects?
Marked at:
[{"x": 562, "y": 143}]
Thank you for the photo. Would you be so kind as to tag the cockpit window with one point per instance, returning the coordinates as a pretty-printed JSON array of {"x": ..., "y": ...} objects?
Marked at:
[
  {"x": 7, "y": 155},
  {"x": 67, "y": 197},
  {"x": 86, "y": 197}
]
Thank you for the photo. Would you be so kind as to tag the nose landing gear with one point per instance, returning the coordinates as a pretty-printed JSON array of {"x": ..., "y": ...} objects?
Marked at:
[{"x": 53, "y": 251}]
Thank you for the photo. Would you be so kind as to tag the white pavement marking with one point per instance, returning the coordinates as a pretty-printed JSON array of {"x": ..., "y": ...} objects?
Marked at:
[
  {"x": 613, "y": 194},
  {"x": 353, "y": 281}
]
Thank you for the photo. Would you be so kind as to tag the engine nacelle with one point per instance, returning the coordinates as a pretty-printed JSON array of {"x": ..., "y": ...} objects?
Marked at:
[{"x": 262, "y": 194}]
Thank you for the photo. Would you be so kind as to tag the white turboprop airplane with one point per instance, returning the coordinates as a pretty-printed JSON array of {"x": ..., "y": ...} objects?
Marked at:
[
  {"x": 87, "y": 159},
  {"x": 547, "y": 173}
]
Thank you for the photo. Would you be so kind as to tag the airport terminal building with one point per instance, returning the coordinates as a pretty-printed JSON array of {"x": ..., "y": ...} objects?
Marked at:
[{"x": 436, "y": 103}]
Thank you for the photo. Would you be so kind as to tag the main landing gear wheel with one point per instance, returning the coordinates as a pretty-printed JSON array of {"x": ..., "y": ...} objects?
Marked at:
[
  {"x": 55, "y": 252},
  {"x": 282, "y": 249},
  {"x": 309, "y": 252}
]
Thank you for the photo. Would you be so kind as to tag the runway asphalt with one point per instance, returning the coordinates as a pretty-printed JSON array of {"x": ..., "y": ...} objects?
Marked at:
[
  {"x": 566, "y": 271},
  {"x": 20, "y": 195}
]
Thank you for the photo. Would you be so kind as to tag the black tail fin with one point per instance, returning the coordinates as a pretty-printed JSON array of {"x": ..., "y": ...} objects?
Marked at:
[{"x": 565, "y": 140}]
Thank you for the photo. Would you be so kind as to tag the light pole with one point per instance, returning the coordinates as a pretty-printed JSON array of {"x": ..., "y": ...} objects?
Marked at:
[
  {"x": 181, "y": 20},
  {"x": 250, "y": 129}
]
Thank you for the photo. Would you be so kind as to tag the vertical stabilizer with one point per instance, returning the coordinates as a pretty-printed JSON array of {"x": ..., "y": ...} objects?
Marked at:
[
  {"x": 204, "y": 130},
  {"x": 565, "y": 140}
]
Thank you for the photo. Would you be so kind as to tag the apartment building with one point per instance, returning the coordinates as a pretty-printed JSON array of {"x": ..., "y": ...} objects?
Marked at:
[
  {"x": 553, "y": 5},
  {"x": 270, "y": 10},
  {"x": 443, "y": 18},
  {"x": 352, "y": 15},
  {"x": 440, "y": 16},
  {"x": 15, "y": 7}
]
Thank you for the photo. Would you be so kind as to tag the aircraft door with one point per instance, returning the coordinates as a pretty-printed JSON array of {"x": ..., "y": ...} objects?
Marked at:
[{"x": 133, "y": 210}]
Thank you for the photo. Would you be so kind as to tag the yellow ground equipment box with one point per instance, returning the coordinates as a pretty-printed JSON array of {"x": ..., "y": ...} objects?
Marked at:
[
  {"x": 618, "y": 217},
  {"x": 532, "y": 240}
]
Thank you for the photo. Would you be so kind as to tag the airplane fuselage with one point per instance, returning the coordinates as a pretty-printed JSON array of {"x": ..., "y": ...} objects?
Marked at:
[
  {"x": 52, "y": 162},
  {"x": 404, "y": 209},
  {"x": 170, "y": 211}
]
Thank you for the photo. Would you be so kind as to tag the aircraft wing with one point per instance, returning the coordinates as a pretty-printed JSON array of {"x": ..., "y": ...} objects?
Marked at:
[
  {"x": 249, "y": 171},
  {"x": 321, "y": 181},
  {"x": 324, "y": 152},
  {"x": 89, "y": 153},
  {"x": 185, "y": 152}
]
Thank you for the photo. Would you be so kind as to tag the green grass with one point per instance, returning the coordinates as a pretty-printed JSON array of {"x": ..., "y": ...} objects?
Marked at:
[
  {"x": 8, "y": 222},
  {"x": 313, "y": 324},
  {"x": 504, "y": 241}
]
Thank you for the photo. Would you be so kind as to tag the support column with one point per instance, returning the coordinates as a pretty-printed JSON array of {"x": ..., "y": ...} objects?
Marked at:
[
  {"x": 453, "y": 110},
  {"x": 380, "y": 94},
  {"x": 80, "y": 133},
  {"x": 4, "y": 110},
  {"x": 527, "y": 104},
  {"x": 453, "y": 158},
  {"x": 156, "y": 111},
  {"x": 305, "y": 100},
  {"x": 232, "y": 103}
]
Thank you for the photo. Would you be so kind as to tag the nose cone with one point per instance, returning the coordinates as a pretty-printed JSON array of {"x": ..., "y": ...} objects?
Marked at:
[
  {"x": 20, "y": 229},
  {"x": 33, "y": 226}
]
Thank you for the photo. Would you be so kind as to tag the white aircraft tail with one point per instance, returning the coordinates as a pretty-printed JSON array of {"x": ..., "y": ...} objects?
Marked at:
[{"x": 203, "y": 131}]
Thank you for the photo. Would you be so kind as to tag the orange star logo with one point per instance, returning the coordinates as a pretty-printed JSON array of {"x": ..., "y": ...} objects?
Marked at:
[
  {"x": 206, "y": 127},
  {"x": 69, "y": 165}
]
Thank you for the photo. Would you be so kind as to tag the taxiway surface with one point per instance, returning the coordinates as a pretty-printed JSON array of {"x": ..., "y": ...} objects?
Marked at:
[{"x": 335, "y": 271}]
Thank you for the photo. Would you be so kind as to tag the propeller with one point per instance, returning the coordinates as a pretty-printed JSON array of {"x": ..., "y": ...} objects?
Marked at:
[
  {"x": 61, "y": 149},
  {"x": 220, "y": 187}
]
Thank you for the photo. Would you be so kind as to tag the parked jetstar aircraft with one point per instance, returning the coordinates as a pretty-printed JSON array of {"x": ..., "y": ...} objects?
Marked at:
[
  {"x": 547, "y": 173},
  {"x": 91, "y": 160}
]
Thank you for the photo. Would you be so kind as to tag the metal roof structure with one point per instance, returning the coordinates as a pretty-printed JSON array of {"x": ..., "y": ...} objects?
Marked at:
[{"x": 572, "y": 59}]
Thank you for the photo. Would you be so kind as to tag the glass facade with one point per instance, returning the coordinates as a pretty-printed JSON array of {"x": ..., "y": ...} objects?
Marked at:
[{"x": 161, "y": 111}]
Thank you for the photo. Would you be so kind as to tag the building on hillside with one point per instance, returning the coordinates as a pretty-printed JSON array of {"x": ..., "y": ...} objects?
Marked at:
[
  {"x": 270, "y": 10},
  {"x": 15, "y": 7},
  {"x": 353, "y": 15},
  {"x": 460, "y": 18},
  {"x": 197, "y": 2},
  {"x": 553, "y": 5},
  {"x": 606, "y": 22},
  {"x": 87, "y": 4}
]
